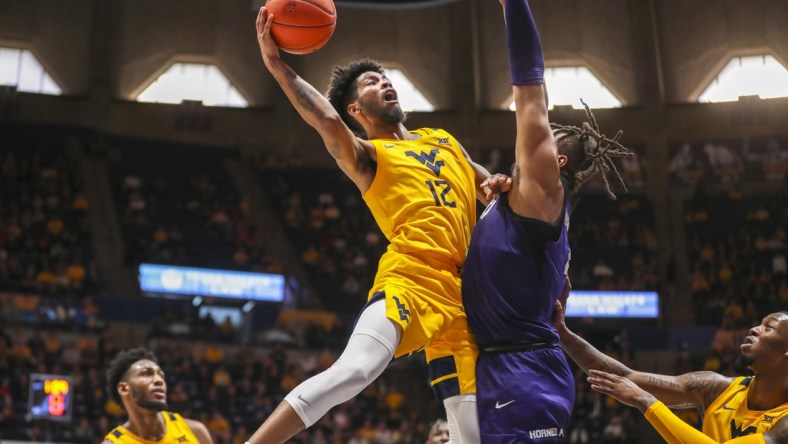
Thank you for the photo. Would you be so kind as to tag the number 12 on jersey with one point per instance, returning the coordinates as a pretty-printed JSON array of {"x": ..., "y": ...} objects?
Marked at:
[{"x": 444, "y": 187}]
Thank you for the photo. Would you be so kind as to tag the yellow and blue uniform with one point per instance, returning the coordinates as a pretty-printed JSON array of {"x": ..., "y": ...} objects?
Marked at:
[
  {"x": 727, "y": 419},
  {"x": 178, "y": 432},
  {"x": 423, "y": 198}
]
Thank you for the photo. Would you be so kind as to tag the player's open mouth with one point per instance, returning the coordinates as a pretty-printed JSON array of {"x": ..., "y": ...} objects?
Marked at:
[
  {"x": 748, "y": 340},
  {"x": 390, "y": 96}
]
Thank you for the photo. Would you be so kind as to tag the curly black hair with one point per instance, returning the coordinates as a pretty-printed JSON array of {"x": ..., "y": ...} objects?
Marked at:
[
  {"x": 120, "y": 365},
  {"x": 589, "y": 153},
  {"x": 342, "y": 89}
]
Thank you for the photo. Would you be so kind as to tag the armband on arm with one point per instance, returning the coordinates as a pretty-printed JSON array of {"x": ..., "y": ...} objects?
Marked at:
[
  {"x": 676, "y": 431},
  {"x": 526, "y": 63}
]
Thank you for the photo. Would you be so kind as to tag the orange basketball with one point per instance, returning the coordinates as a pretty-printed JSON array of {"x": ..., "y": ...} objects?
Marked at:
[{"x": 302, "y": 26}]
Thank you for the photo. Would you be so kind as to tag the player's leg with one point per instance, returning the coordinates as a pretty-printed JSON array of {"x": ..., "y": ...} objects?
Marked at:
[
  {"x": 462, "y": 419},
  {"x": 368, "y": 352},
  {"x": 451, "y": 360}
]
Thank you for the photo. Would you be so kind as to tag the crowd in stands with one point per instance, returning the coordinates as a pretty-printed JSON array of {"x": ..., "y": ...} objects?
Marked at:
[
  {"x": 749, "y": 159},
  {"x": 184, "y": 213},
  {"x": 330, "y": 227},
  {"x": 737, "y": 255},
  {"x": 614, "y": 244},
  {"x": 49, "y": 311},
  {"x": 44, "y": 233}
]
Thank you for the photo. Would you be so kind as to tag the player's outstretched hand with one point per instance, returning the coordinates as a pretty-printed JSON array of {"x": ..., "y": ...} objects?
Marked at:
[
  {"x": 620, "y": 388},
  {"x": 268, "y": 48},
  {"x": 495, "y": 185}
]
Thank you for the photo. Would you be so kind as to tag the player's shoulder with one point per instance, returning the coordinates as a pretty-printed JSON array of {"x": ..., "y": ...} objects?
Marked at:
[
  {"x": 433, "y": 132},
  {"x": 113, "y": 434},
  {"x": 199, "y": 429}
]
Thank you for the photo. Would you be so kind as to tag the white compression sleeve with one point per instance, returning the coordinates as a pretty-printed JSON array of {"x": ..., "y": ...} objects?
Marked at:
[
  {"x": 369, "y": 350},
  {"x": 462, "y": 418}
]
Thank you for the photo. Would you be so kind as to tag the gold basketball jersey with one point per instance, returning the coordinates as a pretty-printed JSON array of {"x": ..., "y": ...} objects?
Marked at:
[
  {"x": 423, "y": 196},
  {"x": 728, "y": 417},
  {"x": 178, "y": 432}
]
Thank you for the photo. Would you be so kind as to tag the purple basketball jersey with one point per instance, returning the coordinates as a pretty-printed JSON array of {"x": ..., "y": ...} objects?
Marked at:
[{"x": 512, "y": 276}]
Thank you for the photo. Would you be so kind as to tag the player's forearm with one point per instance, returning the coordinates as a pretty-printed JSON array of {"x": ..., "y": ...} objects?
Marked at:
[
  {"x": 526, "y": 63},
  {"x": 587, "y": 356},
  {"x": 481, "y": 174},
  {"x": 313, "y": 107}
]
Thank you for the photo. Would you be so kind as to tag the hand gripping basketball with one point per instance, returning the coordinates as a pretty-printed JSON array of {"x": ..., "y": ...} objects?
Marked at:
[{"x": 301, "y": 26}]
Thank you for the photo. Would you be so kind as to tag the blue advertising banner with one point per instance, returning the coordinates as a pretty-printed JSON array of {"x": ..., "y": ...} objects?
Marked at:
[
  {"x": 612, "y": 304},
  {"x": 210, "y": 282}
]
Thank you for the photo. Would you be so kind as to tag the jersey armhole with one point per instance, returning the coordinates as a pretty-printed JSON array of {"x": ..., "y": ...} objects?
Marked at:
[{"x": 548, "y": 231}]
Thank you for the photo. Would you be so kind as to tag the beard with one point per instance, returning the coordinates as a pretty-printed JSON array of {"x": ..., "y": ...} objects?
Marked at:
[
  {"x": 746, "y": 361},
  {"x": 391, "y": 116},
  {"x": 148, "y": 404}
]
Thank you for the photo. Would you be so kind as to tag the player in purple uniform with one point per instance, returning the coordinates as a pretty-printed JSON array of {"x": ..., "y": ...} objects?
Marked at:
[{"x": 519, "y": 255}]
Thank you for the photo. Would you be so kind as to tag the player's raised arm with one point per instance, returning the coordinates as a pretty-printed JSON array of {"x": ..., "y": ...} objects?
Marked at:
[
  {"x": 536, "y": 172},
  {"x": 313, "y": 107},
  {"x": 697, "y": 389}
]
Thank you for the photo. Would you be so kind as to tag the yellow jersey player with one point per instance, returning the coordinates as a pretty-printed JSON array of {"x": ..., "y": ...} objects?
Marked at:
[
  {"x": 421, "y": 187},
  {"x": 136, "y": 382},
  {"x": 743, "y": 410}
]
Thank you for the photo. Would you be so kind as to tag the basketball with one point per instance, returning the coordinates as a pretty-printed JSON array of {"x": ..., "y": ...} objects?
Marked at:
[{"x": 302, "y": 26}]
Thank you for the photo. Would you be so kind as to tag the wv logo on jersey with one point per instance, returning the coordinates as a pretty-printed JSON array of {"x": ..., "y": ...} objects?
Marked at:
[
  {"x": 428, "y": 160},
  {"x": 403, "y": 310},
  {"x": 736, "y": 431}
]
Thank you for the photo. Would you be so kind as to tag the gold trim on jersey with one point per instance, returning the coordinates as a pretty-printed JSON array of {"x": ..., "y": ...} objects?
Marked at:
[{"x": 178, "y": 432}]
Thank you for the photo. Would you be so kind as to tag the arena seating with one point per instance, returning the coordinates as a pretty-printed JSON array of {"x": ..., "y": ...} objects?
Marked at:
[
  {"x": 45, "y": 243},
  {"x": 177, "y": 205},
  {"x": 736, "y": 251}
]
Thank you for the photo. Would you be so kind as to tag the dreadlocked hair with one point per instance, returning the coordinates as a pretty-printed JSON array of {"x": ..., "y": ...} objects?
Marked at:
[
  {"x": 120, "y": 365},
  {"x": 342, "y": 89},
  {"x": 590, "y": 153}
]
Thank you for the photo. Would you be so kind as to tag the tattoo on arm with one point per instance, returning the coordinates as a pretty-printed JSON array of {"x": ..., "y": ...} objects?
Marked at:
[
  {"x": 589, "y": 358},
  {"x": 705, "y": 386},
  {"x": 308, "y": 104},
  {"x": 305, "y": 95},
  {"x": 659, "y": 382}
]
